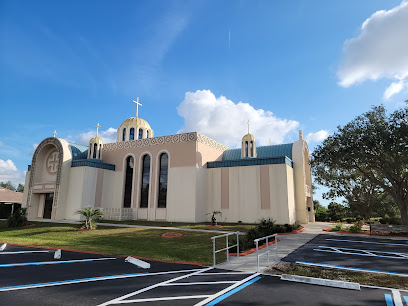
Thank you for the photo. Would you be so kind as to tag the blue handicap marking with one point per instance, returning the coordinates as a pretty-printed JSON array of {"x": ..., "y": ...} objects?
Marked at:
[
  {"x": 388, "y": 300},
  {"x": 406, "y": 299}
]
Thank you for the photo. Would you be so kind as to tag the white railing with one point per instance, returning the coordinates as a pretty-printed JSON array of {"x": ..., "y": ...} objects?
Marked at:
[
  {"x": 227, "y": 246},
  {"x": 268, "y": 250}
]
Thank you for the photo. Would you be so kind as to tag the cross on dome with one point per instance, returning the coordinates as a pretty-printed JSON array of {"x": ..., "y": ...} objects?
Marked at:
[
  {"x": 137, "y": 106},
  {"x": 97, "y": 128},
  {"x": 248, "y": 126},
  {"x": 55, "y": 133}
]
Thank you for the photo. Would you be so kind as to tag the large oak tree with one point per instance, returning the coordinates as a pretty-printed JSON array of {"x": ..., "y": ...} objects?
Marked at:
[{"x": 372, "y": 148}]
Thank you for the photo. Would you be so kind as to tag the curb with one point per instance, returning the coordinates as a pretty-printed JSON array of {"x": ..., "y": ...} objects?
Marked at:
[
  {"x": 321, "y": 282},
  {"x": 100, "y": 253},
  {"x": 293, "y": 233},
  {"x": 250, "y": 251},
  {"x": 329, "y": 230}
]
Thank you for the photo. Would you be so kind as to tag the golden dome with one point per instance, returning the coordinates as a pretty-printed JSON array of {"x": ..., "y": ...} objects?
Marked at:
[
  {"x": 96, "y": 139},
  {"x": 137, "y": 122},
  {"x": 248, "y": 137}
]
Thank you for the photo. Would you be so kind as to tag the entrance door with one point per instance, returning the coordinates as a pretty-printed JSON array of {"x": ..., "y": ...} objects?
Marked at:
[{"x": 49, "y": 199}]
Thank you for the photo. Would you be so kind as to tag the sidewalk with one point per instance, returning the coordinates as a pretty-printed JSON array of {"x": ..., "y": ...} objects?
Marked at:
[
  {"x": 137, "y": 226},
  {"x": 286, "y": 245}
]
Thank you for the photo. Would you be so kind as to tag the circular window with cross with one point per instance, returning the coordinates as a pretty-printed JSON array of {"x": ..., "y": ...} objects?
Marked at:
[{"x": 52, "y": 162}]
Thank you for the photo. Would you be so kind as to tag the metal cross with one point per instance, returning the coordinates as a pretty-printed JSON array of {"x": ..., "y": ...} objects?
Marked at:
[
  {"x": 248, "y": 126},
  {"x": 55, "y": 133},
  {"x": 97, "y": 128},
  {"x": 137, "y": 106}
]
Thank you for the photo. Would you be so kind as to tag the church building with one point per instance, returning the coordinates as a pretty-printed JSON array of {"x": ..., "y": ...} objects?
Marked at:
[{"x": 180, "y": 178}]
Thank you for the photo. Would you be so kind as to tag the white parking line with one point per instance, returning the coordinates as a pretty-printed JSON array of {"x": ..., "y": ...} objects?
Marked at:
[
  {"x": 40, "y": 263},
  {"x": 122, "y": 298},
  {"x": 23, "y": 252},
  {"x": 371, "y": 253},
  {"x": 370, "y": 242},
  {"x": 86, "y": 280},
  {"x": 200, "y": 283},
  {"x": 170, "y": 298},
  {"x": 397, "y": 297}
]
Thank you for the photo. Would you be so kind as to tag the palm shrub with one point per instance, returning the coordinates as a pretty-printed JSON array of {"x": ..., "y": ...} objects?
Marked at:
[
  {"x": 91, "y": 215},
  {"x": 18, "y": 218}
]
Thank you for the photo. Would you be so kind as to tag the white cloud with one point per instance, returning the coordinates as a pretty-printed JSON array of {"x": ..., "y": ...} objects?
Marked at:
[
  {"x": 1, "y": 143},
  {"x": 317, "y": 137},
  {"x": 380, "y": 51},
  {"x": 107, "y": 136},
  {"x": 226, "y": 121},
  {"x": 9, "y": 172},
  {"x": 35, "y": 145}
]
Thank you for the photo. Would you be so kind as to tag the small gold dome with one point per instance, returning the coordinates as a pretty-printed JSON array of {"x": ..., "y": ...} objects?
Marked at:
[
  {"x": 248, "y": 137},
  {"x": 96, "y": 139},
  {"x": 135, "y": 121}
]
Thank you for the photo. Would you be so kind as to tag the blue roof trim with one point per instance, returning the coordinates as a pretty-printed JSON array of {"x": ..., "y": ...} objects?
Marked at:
[
  {"x": 262, "y": 152},
  {"x": 94, "y": 163},
  {"x": 78, "y": 151},
  {"x": 250, "y": 162}
]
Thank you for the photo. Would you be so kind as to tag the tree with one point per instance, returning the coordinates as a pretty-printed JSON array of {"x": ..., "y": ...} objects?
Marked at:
[
  {"x": 374, "y": 147},
  {"x": 90, "y": 214},
  {"x": 321, "y": 212},
  {"x": 336, "y": 211},
  {"x": 20, "y": 188},
  {"x": 8, "y": 185}
]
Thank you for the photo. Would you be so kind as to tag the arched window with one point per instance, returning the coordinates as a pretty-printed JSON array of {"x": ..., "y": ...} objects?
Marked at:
[
  {"x": 164, "y": 165},
  {"x": 144, "y": 190},
  {"x": 132, "y": 134},
  {"x": 147, "y": 134},
  {"x": 100, "y": 151},
  {"x": 246, "y": 149},
  {"x": 140, "y": 134},
  {"x": 95, "y": 149},
  {"x": 251, "y": 145},
  {"x": 124, "y": 134},
  {"x": 127, "y": 200}
]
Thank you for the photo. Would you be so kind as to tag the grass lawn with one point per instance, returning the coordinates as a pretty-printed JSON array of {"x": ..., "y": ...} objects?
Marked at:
[
  {"x": 191, "y": 247},
  {"x": 233, "y": 227},
  {"x": 371, "y": 279}
]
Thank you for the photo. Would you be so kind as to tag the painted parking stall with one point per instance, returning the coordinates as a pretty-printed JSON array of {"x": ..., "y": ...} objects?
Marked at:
[
  {"x": 99, "y": 280},
  {"x": 378, "y": 255}
]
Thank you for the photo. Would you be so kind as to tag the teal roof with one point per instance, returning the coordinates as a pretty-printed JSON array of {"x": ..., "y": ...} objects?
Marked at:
[
  {"x": 250, "y": 162},
  {"x": 78, "y": 151},
  {"x": 262, "y": 152}
]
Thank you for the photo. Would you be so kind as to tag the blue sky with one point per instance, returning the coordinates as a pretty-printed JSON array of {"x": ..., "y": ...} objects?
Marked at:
[{"x": 207, "y": 66}]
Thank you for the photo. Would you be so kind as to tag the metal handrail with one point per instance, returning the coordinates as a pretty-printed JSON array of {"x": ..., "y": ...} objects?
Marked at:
[
  {"x": 267, "y": 248},
  {"x": 227, "y": 246}
]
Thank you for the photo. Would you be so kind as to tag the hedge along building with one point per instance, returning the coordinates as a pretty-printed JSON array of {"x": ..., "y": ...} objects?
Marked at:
[{"x": 182, "y": 177}]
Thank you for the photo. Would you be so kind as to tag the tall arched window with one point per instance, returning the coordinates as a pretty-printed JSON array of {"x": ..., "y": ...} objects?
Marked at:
[
  {"x": 164, "y": 165},
  {"x": 95, "y": 149},
  {"x": 246, "y": 149},
  {"x": 144, "y": 190},
  {"x": 147, "y": 134},
  {"x": 251, "y": 148},
  {"x": 127, "y": 200},
  {"x": 140, "y": 134},
  {"x": 124, "y": 134},
  {"x": 100, "y": 151},
  {"x": 132, "y": 134}
]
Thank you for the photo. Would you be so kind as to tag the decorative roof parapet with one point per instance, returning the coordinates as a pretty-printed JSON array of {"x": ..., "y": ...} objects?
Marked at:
[{"x": 177, "y": 138}]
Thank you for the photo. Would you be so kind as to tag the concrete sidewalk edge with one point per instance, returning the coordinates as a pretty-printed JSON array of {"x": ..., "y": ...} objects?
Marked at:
[{"x": 320, "y": 281}]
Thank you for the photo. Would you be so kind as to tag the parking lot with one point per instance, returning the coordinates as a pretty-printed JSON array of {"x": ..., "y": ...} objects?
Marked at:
[
  {"x": 379, "y": 255},
  {"x": 31, "y": 276}
]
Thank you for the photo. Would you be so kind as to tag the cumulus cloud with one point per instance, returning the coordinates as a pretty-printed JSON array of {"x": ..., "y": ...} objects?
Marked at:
[
  {"x": 9, "y": 172},
  {"x": 107, "y": 136},
  {"x": 317, "y": 137},
  {"x": 225, "y": 121},
  {"x": 379, "y": 51}
]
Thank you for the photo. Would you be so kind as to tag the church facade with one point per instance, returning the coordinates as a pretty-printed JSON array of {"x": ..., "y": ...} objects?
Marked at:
[{"x": 180, "y": 178}]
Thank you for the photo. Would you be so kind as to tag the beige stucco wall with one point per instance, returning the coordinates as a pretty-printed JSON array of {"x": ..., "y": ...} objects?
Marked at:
[
  {"x": 75, "y": 193},
  {"x": 244, "y": 190},
  {"x": 26, "y": 184}
]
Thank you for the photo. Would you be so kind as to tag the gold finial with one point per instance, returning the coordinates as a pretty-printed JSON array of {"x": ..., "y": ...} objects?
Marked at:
[
  {"x": 137, "y": 106},
  {"x": 97, "y": 128},
  {"x": 55, "y": 133}
]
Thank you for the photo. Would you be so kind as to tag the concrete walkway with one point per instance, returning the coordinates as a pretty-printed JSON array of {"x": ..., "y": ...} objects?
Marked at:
[
  {"x": 135, "y": 226},
  {"x": 286, "y": 245}
]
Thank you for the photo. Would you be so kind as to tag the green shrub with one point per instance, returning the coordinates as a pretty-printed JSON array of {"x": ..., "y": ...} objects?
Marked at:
[
  {"x": 18, "y": 218},
  {"x": 356, "y": 227},
  {"x": 338, "y": 227}
]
